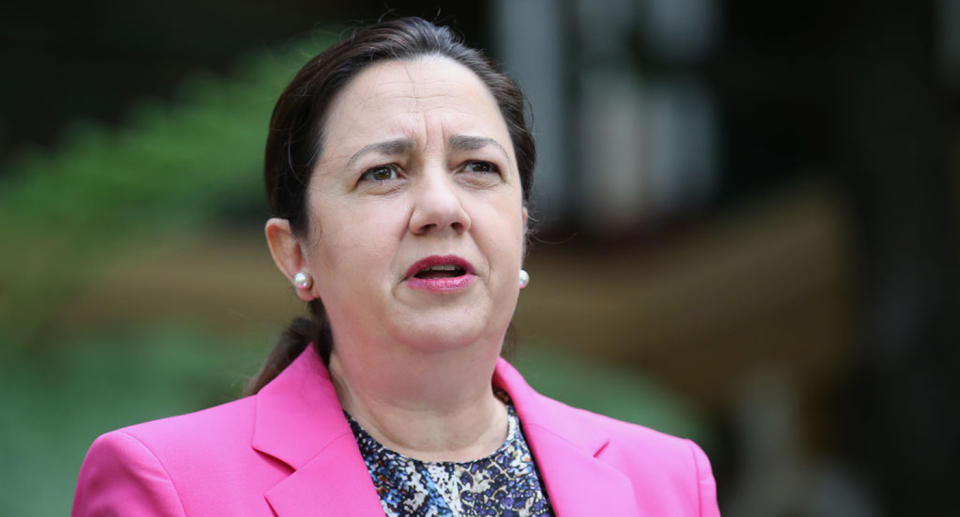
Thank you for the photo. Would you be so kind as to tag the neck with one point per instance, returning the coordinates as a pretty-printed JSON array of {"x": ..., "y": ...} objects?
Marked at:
[{"x": 434, "y": 406}]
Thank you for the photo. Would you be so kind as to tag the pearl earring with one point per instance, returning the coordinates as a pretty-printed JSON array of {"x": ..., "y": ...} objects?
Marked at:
[
  {"x": 302, "y": 280},
  {"x": 524, "y": 278}
]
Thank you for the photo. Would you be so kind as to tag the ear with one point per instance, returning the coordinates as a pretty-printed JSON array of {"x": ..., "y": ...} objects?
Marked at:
[
  {"x": 526, "y": 216},
  {"x": 525, "y": 235},
  {"x": 287, "y": 252}
]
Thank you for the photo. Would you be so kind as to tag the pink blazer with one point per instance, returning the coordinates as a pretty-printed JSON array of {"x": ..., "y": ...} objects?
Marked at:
[{"x": 288, "y": 451}]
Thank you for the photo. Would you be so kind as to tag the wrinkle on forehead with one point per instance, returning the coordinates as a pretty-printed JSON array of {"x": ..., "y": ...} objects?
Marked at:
[{"x": 409, "y": 94}]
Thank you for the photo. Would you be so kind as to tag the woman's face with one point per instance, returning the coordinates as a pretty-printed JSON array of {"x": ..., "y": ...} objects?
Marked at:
[{"x": 416, "y": 210}]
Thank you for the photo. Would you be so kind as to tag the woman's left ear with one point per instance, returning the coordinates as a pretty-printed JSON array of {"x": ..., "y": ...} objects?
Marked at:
[{"x": 525, "y": 239}]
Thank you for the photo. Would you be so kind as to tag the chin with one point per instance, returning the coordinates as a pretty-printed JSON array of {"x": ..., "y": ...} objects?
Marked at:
[
  {"x": 446, "y": 335},
  {"x": 449, "y": 327}
]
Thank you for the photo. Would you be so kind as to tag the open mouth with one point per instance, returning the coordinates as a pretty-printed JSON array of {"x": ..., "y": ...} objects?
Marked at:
[
  {"x": 441, "y": 271},
  {"x": 441, "y": 274}
]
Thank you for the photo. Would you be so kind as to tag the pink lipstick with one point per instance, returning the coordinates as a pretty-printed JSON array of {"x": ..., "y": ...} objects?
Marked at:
[{"x": 439, "y": 273}]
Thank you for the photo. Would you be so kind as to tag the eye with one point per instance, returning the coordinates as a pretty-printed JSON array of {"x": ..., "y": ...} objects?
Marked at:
[
  {"x": 481, "y": 166},
  {"x": 379, "y": 173}
]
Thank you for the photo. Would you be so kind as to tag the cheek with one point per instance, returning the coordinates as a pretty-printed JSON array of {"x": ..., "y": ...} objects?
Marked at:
[
  {"x": 511, "y": 213},
  {"x": 501, "y": 226},
  {"x": 357, "y": 240}
]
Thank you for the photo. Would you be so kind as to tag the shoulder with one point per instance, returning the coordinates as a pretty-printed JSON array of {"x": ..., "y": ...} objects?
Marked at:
[
  {"x": 160, "y": 467},
  {"x": 631, "y": 444},
  {"x": 667, "y": 472},
  {"x": 192, "y": 438},
  {"x": 120, "y": 468},
  {"x": 624, "y": 439},
  {"x": 587, "y": 429},
  {"x": 222, "y": 427}
]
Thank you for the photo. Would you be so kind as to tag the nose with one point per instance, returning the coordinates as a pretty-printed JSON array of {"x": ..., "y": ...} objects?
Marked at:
[{"x": 437, "y": 205}]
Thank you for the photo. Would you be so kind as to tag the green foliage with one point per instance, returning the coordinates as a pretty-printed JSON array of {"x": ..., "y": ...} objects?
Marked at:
[
  {"x": 167, "y": 167},
  {"x": 57, "y": 399},
  {"x": 614, "y": 391}
]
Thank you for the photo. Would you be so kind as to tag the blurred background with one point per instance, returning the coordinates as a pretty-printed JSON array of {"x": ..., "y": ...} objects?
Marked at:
[{"x": 747, "y": 227}]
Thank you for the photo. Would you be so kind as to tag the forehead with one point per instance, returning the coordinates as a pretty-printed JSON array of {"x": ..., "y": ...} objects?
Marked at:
[{"x": 412, "y": 98}]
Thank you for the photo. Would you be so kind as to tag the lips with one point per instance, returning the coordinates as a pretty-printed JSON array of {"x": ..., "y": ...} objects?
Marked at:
[{"x": 440, "y": 273}]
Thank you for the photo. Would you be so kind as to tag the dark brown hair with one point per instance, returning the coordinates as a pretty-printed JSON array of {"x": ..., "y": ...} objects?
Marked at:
[{"x": 295, "y": 140}]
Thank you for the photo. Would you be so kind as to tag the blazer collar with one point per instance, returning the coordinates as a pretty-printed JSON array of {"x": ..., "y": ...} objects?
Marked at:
[
  {"x": 565, "y": 449},
  {"x": 300, "y": 422},
  {"x": 298, "y": 413}
]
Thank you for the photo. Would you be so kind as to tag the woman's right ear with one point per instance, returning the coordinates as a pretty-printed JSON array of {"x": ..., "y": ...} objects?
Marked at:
[{"x": 288, "y": 254}]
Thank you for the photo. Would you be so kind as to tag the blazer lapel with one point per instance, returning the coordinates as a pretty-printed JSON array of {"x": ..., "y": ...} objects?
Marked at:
[
  {"x": 335, "y": 483},
  {"x": 577, "y": 483},
  {"x": 300, "y": 422}
]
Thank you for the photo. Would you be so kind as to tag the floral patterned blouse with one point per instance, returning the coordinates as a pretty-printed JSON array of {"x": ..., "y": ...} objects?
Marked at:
[{"x": 505, "y": 483}]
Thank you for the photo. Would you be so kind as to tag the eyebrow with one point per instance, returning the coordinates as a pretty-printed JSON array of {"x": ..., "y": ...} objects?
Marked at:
[
  {"x": 472, "y": 143},
  {"x": 404, "y": 145},
  {"x": 388, "y": 147}
]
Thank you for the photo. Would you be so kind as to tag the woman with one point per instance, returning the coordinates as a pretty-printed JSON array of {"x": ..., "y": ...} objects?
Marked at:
[{"x": 398, "y": 166}]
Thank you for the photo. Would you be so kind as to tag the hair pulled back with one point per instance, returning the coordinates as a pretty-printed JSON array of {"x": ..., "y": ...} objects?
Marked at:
[{"x": 295, "y": 141}]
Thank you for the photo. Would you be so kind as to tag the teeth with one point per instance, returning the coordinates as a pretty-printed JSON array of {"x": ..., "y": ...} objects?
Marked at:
[{"x": 445, "y": 267}]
